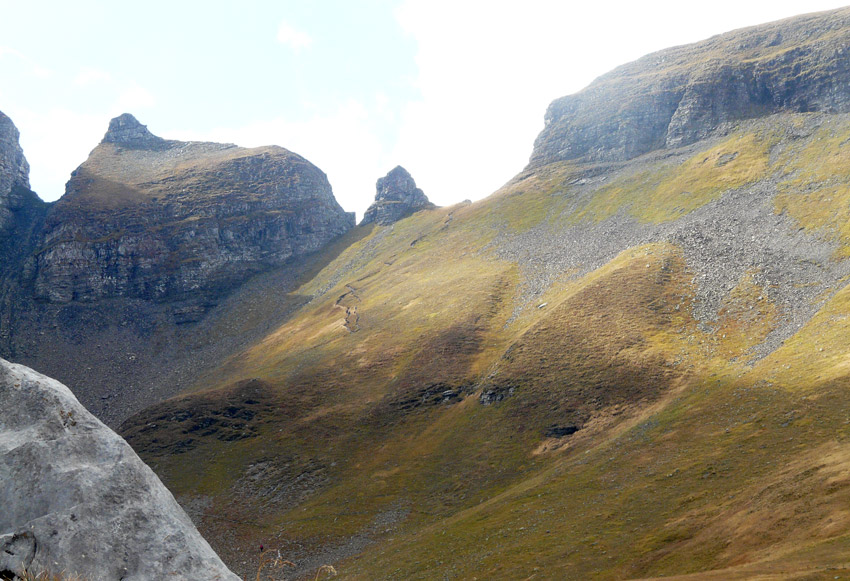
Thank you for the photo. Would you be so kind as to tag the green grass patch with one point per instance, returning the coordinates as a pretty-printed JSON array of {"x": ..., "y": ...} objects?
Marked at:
[
  {"x": 817, "y": 193},
  {"x": 669, "y": 192}
]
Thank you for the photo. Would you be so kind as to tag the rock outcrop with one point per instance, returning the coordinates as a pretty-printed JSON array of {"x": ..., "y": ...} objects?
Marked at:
[
  {"x": 76, "y": 498},
  {"x": 14, "y": 173},
  {"x": 681, "y": 95},
  {"x": 158, "y": 219},
  {"x": 151, "y": 236},
  {"x": 127, "y": 131},
  {"x": 396, "y": 197}
]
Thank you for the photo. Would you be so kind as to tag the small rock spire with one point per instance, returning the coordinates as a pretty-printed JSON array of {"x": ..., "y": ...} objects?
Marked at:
[
  {"x": 396, "y": 197},
  {"x": 127, "y": 130}
]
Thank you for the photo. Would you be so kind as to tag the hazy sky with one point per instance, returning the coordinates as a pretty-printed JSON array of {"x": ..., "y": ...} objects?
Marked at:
[{"x": 455, "y": 91}]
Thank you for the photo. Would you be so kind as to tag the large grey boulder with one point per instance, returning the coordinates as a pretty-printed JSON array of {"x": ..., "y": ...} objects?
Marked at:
[{"x": 75, "y": 498}]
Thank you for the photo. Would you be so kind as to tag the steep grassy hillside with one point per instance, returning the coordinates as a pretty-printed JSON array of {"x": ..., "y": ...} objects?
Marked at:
[
  {"x": 452, "y": 401},
  {"x": 611, "y": 368}
]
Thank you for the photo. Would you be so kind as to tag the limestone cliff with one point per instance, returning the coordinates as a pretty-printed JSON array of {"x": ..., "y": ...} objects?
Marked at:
[
  {"x": 160, "y": 219},
  {"x": 681, "y": 95},
  {"x": 76, "y": 498},
  {"x": 396, "y": 197},
  {"x": 14, "y": 173},
  {"x": 21, "y": 216},
  {"x": 151, "y": 236}
]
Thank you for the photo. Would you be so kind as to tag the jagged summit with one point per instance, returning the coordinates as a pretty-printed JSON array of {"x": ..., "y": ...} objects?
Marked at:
[
  {"x": 680, "y": 95},
  {"x": 170, "y": 218},
  {"x": 396, "y": 197},
  {"x": 126, "y": 130}
]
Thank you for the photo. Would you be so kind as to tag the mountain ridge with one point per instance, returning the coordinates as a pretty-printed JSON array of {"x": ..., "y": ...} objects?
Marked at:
[
  {"x": 679, "y": 95},
  {"x": 648, "y": 337},
  {"x": 145, "y": 240},
  {"x": 601, "y": 337}
]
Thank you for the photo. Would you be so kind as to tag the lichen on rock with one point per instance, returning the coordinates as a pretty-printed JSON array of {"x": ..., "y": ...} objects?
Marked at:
[{"x": 76, "y": 498}]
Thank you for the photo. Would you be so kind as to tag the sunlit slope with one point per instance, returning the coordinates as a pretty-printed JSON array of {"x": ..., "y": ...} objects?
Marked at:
[
  {"x": 744, "y": 472},
  {"x": 620, "y": 370},
  {"x": 394, "y": 421}
]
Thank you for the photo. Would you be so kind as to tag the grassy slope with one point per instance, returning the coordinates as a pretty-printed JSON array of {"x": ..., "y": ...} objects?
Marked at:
[
  {"x": 816, "y": 192},
  {"x": 361, "y": 414}
]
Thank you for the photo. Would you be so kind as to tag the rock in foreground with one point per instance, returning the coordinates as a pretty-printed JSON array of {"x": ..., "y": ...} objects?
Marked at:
[{"x": 76, "y": 498}]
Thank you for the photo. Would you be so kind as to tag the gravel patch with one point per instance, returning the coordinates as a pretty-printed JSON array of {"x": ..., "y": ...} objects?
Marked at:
[{"x": 735, "y": 235}]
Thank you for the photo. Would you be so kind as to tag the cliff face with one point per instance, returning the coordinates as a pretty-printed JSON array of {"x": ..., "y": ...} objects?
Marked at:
[
  {"x": 14, "y": 173},
  {"x": 125, "y": 271},
  {"x": 680, "y": 95},
  {"x": 396, "y": 196},
  {"x": 155, "y": 219},
  {"x": 21, "y": 216}
]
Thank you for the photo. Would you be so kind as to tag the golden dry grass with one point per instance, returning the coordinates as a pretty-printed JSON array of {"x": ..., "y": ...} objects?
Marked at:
[{"x": 692, "y": 458}]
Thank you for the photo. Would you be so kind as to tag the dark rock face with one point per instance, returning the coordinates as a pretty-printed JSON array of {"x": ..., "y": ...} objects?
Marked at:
[
  {"x": 396, "y": 197},
  {"x": 21, "y": 216},
  {"x": 681, "y": 95},
  {"x": 14, "y": 173},
  {"x": 154, "y": 219},
  {"x": 149, "y": 238},
  {"x": 76, "y": 498},
  {"x": 561, "y": 431}
]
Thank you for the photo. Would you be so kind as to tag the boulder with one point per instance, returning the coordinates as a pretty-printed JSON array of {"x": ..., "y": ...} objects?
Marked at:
[{"x": 77, "y": 499}]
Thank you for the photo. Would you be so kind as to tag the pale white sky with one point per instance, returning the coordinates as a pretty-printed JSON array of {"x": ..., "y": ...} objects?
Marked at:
[{"x": 453, "y": 90}]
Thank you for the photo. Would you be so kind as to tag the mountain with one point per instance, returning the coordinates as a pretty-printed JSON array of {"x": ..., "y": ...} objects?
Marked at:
[
  {"x": 628, "y": 362},
  {"x": 112, "y": 284},
  {"x": 150, "y": 218},
  {"x": 14, "y": 171},
  {"x": 681, "y": 95},
  {"x": 77, "y": 498}
]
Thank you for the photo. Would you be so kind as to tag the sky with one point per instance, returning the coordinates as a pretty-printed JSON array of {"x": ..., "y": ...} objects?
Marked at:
[{"x": 453, "y": 90}]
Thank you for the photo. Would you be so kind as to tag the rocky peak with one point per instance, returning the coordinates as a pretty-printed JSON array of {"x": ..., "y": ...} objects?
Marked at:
[
  {"x": 167, "y": 220},
  {"x": 14, "y": 171},
  {"x": 396, "y": 197},
  {"x": 126, "y": 130},
  {"x": 681, "y": 95}
]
